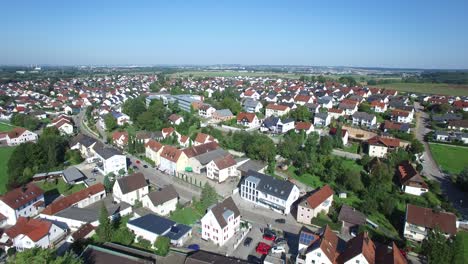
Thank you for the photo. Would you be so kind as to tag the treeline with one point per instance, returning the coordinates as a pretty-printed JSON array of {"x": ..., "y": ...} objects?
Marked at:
[
  {"x": 48, "y": 154},
  {"x": 27, "y": 121},
  {"x": 450, "y": 77}
]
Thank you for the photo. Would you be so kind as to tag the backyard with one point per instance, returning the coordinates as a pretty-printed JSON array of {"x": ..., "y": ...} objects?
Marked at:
[
  {"x": 5, "y": 154},
  {"x": 452, "y": 159},
  {"x": 60, "y": 186}
]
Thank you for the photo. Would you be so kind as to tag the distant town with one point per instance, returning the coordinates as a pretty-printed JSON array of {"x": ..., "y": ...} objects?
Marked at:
[{"x": 233, "y": 164}]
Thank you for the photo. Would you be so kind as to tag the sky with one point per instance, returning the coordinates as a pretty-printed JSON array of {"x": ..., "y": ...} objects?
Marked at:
[{"x": 398, "y": 34}]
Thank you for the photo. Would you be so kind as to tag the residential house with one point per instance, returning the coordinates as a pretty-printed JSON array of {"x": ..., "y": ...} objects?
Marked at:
[
  {"x": 378, "y": 107},
  {"x": 440, "y": 135},
  {"x": 221, "y": 168},
  {"x": 28, "y": 233},
  {"x": 25, "y": 201},
  {"x": 394, "y": 126},
  {"x": 325, "y": 102},
  {"x": 18, "y": 135},
  {"x": 301, "y": 99},
  {"x": 266, "y": 191},
  {"x": 344, "y": 134},
  {"x": 401, "y": 116},
  {"x": 84, "y": 144},
  {"x": 206, "y": 110},
  {"x": 318, "y": 202},
  {"x": 121, "y": 118},
  {"x": 459, "y": 125},
  {"x": 176, "y": 119},
  {"x": 419, "y": 221},
  {"x": 221, "y": 222},
  {"x": 351, "y": 219},
  {"x": 275, "y": 125},
  {"x": 251, "y": 106},
  {"x": 276, "y": 110},
  {"x": 151, "y": 226},
  {"x": 410, "y": 180},
  {"x": 249, "y": 120},
  {"x": 153, "y": 151},
  {"x": 162, "y": 201},
  {"x": 364, "y": 119},
  {"x": 307, "y": 127},
  {"x": 349, "y": 107},
  {"x": 203, "y": 138},
  {"x": 335, "y": 113},
  {"x": 379, "y": 146},
  {"x": 110, "y": 160},
  {"x": 322, "y": 119},
  {"x": 130, "y": 189},
  {"x": 172, "y": 160},
  {"x": 120, "y": 139},
  {"x": 222, "y": 115},
  {"x": 322, "y": 248},
  {"x": 250, "y": 93}
]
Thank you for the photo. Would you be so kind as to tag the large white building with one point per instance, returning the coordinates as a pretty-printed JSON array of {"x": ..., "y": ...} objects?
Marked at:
[
  {"x": 130, "y": 189},
  {"x": 266, "y": 191},
  {"x": 220, "y": 169},
  {"x": 20, "y": 202},
  {"x": 221, "y": 222}
]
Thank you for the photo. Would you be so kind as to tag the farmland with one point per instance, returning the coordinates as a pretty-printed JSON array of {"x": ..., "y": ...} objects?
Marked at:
[
  {"x": 428, "y": 88},
  {"x": 450, "y": 158}
]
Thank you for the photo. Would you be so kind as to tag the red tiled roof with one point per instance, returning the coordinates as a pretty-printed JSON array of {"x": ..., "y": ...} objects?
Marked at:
[
  {"x": 200, "y": 149},
  {"x": 16, "y": 132},
  {"x": 174, "y": 117},
  {"x": 409, "y": 176},
  {"x": 277, "y": 107},
  {"x": 303, "y": 125},
  {"x": 362, "y": 244},
  {"x": 335, "y": 110},
  {"x": 318, "y": 197},
  {"x": 400, "y": 113},
  {"x": 225, "y": 162},
  {"x": 248, "y": 116},
  {"x": 35, "y": 229},
  {"x": 67, "y": 201},
  {"x": 329, "y": 243},
  {"x": 202, "y": 138},
  {"x": 171, "y": 153},
  {"x": 386, "y": 141},
  {"x": 378, "y": 104},
  {"x": 429, "y": 218},
  {"x": 18, "y": 197}
]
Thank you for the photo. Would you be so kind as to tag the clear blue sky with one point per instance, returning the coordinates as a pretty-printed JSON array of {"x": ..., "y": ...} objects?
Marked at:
[{"x": 410, "y": 33}]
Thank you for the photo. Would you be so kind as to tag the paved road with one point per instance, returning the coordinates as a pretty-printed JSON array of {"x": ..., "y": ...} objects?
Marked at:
[{"x": 432, "y": 171}]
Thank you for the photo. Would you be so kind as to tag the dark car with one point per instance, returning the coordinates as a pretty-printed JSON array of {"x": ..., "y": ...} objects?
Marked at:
[
  {"x": 269, "y": 232},
  {"x": 145, "y": 166},
  {"x": 280, "y": 220},
  {"x": 194, "y": 247},
  {"x": 280, "y": 241},
  {"x": 247, "y": 241},
  {"x": 254, "y": 259},
  {"x": 269, "y": 237}
]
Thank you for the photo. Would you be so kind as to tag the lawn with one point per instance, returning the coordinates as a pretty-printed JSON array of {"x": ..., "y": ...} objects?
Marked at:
[
  {"x": 461, "y": 247},
  {"x": 307, "y": 179},
  {"x": 186, "y": 216},
  {"x": 4, "y": 127},
  {"x": 352, "y": 165},
  {"x": 352, "y": 147},
  {"x": 452, "y": 159},
  {"x": 323, "y": 220},
  {"x": 61, "y": 187},
  {"x": 5, "y": 154},
  {"x": 430, "y": 88}
]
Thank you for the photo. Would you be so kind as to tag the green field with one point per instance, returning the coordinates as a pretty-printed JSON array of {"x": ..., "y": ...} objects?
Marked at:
[
  {"x": 228, "y": 73},
  {"x": 4, "y": 127},
  {"x": 5, "y": 154},
  {"x": 461, "y": 247},
  {"x": 429, "y": 88},
  {"x": 186, "y": 216},
  {"x": 452, "y": 159}
]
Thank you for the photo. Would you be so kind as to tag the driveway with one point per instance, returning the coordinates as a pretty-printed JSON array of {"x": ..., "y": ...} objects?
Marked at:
[{"x": 432, "y": 171}]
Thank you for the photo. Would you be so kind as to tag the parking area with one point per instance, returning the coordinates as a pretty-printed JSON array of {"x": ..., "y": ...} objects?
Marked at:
[{"x": 88, "y": 170}]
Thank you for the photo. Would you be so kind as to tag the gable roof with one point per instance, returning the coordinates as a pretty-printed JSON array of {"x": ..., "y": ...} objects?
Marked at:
[
  {"x": 200, "y": 149},
  {"x": 429, "y": 218},
  {"x": 16, "y": 132},
  {"x": 362, "y": 244},
  {"x": 277, "y": 107},
  {"x": 171, "y": 153},
  {"x": 350, "y": 215},
  {"x": 223, "y": 209},
  {"x": 246, "y": 116},
  {"x": 154, "y": 145},
  {"x": 202, "y": 138},
  {"x": 329, "y": 243},
  {"x": 385, "y": 141},
  {"x": 18, "y": 197},
  {"x": 318, "y": 197},
  {"x": 132, "y": 183},
  {"x": 408, "y": 175},
  {"x": 163, "y": 195},
  {"x": 270, "y": 185},
  {"x": 67, "y": 201},
  {"x": 303, "y": 125},
  {"x": 225, "y": 162},
  {"x": 35, "y": 229}
]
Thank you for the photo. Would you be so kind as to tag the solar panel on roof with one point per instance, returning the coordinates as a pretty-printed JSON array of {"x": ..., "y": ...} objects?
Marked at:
[{"x": 306, "y": 238}]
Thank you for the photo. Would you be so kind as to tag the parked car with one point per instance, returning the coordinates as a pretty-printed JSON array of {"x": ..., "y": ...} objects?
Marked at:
[
  {"x": 194, "y": 247},
  {"x": 278, "y": 250},
  {"x": 280, "y": 241},
  {"x": 262, "y": 248},
  {"x": 247, "y": 241},
  {"x": 137, "y": 162},
  {"x": 254, "y": 259},
  {"x": 145, "y": 166},
  {"x": 269, "y": 237},
  {"x": 280, "y": 220},
  {"x": 135, "y": 167},
  {"x": 268, "y": 231}
]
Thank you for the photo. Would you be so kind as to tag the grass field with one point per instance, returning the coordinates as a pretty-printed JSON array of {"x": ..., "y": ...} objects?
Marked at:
[
  {"x": 430, "y": 88},
  {"x": 461, "y": 244},
  {"x": 228, "y": 73},
  {"x": 5, "y": 154},
  {"x": 452, "y": 159},
  {"x": 4, "y": 127},
  {"x": 186, "y": 216},
  {"x": 61, "y": 187}
]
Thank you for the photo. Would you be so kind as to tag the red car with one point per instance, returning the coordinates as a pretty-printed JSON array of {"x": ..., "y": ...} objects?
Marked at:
[
  {"x": 269, "y": 237},
  {"x": 137, "y": 162},
  {"x": 262, "y": 248}
]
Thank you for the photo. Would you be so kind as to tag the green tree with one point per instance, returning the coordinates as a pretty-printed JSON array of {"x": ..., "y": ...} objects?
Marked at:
[
  {"x": 29, "y": 122},
  {"x": 416, "y": 146},
  {"x": 108, "y": 184},
  {"x": 134, "y": 107},
  {"x": 209, "y": 196},
  {"x": 104, "y": 230},
  {"x": 40, "y": 255},
  {"x": 162, "y": 245},
  {"x": 462, "y": 179},
  {"x": 365, "y": 107},
  {"x": 301, "y": 113},
  {"x": 326, "y": 145},
  {"x": 436, "y": 248},
  {"x": 110, "y": 122}
]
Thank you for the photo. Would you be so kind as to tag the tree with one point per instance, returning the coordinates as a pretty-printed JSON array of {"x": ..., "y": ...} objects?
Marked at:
[
  {"x": 301, "y": 113},
  {"x": 27, "y": 121},
  {"x": 110, "y": 122},
  {"x": 351, "y": 180},
  {"x": 209, "y": 196},
  {"x": 162, "y": 245},
  {"x": 462, "y": 179},
  {"x": 104, "y": 230},
  {"x": 40, "y": 255},
  {"x": 416, "y": 146},
  {"x": 348, "y": 80},
  {"x": 326, "y": 145},
  {"x": 134, "y": 107},
  {"x": 365, "y": 107},
  {"x": 108, "y": 184},
  {"x": 436, "y": 248}
]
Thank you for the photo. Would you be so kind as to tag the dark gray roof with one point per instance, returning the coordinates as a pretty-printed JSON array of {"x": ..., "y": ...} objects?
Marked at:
[
  {"x": 270, "y": 121},
  {"x": 224, "y": 112},
  {"x": 205, "y": 257},
  {"x": 80, "y": 214},
  {"x": 249, "y": 102},
  {"x": 131, "y": 183},
  {"x": 253, "y": 165},
  {"x": 363, "y": 116},
  {"x": 223, "y": 210},
  {"x": 321, "y": 115},
  {"x": 161, "y": 196},
  {"x": 72, "y": 174},
  {"x": 100, "y": 255},
  {"x": 161, "y": 226},
  {"x": 351, "y": 215},
  {"x": 270, "y": 185},
  {"x": 83, "y": 140},
  {"x": 205, "y": 158},
  {"x": 105, "y": 152}
]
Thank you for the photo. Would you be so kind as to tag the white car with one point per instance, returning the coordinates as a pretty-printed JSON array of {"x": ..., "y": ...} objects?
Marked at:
[{"x": 278, "y": 250}]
